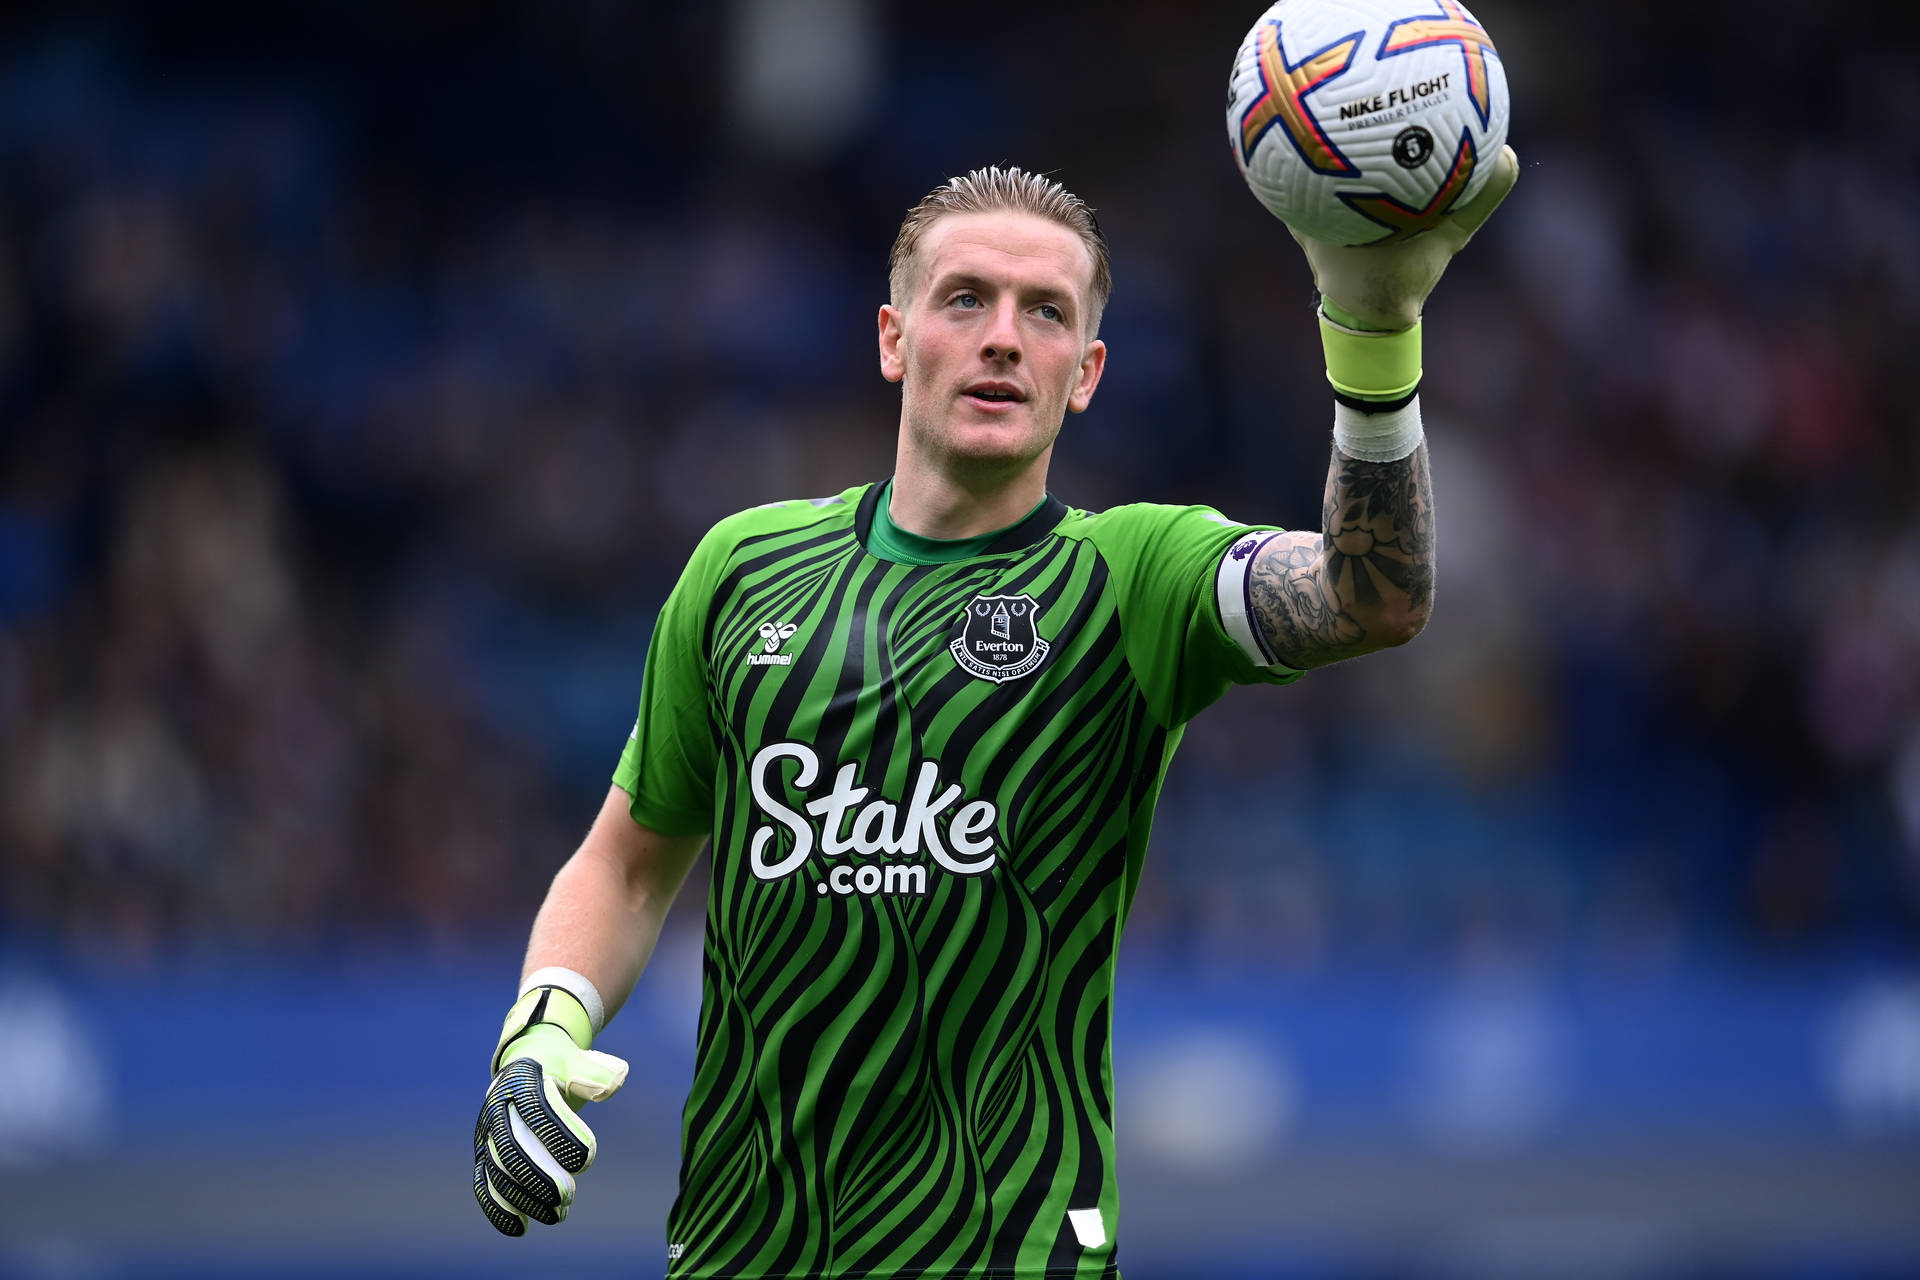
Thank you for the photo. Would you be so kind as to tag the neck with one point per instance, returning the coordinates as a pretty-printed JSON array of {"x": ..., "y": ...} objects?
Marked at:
[{"x": 951, "y": 501}]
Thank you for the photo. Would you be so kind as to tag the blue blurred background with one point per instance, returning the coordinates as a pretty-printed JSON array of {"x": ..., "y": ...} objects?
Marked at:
[{"x": 367, "y": 371}]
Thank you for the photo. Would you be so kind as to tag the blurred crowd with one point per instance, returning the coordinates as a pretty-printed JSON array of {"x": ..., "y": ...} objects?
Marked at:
[{"x": 366, "y": 376}]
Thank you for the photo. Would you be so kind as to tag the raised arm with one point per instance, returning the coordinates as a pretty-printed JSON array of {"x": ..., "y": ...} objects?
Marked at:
[{"x": 1365, "y": 581}]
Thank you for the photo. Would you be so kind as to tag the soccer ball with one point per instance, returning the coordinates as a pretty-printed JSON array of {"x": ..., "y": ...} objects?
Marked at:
[{"x": 1362, "y": 121}]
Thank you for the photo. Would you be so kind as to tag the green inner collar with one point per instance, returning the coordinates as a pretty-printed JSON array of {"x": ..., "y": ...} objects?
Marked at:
[{"x": 890, "y": 542}]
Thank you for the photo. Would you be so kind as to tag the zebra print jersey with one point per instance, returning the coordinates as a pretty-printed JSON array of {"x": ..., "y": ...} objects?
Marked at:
[{"x": 929, "y": 788}]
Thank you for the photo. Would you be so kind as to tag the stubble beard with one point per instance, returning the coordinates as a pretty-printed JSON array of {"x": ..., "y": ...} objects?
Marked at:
[{"x": 977, "y": 463}]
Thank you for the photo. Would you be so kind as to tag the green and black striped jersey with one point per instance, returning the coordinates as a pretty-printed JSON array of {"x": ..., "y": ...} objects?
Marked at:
[{"x": 929, "y": 788}]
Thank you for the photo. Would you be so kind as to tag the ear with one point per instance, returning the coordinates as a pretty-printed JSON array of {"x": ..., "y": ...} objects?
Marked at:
[
  {"x": 893, "y": 362},
  {"x": 1092, "y": 364}
]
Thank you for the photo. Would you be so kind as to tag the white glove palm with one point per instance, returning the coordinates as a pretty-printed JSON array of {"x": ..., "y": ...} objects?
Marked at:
[{"x": 1384, "y": 286}]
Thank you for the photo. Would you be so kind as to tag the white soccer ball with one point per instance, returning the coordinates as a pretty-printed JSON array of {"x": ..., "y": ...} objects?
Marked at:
[{"x": 1360, "y": 121}]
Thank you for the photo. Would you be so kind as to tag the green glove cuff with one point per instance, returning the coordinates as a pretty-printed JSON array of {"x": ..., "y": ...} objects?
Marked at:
[
  {"x": 1369, "y": 364},
  {"x": 550, "y": 1006}
]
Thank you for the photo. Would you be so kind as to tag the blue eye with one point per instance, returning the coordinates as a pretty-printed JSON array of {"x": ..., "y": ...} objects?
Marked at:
[
  {"x": 1051, "y": 312},
  {"x": 966, "y": 299}
]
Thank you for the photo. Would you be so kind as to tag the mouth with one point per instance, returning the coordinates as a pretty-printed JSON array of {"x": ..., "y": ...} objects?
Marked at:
[{"x": 994, "y": 397}]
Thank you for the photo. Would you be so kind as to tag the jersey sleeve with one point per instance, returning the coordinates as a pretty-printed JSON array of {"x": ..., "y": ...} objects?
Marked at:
[
  {"x": 669, "y": 763},
  {"x": 1185, "y": 611}
]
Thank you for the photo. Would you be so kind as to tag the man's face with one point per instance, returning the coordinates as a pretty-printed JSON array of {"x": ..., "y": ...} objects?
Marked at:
[{"x": 991, "y": 342}]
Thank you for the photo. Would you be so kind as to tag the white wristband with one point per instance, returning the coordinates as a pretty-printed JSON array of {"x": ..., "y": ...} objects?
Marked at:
[
  {"x": 1378, "y": 437},
  {"x": 577, "y": 985}
]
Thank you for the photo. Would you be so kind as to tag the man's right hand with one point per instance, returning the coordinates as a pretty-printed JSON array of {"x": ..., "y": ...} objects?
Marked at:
[{"x": 528, "y": 1143}]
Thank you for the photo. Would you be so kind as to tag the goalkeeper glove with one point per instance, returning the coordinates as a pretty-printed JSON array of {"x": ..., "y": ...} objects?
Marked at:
[
  {"x": 529, "y": 1143},
  {"x": 1384, "y": 286}
]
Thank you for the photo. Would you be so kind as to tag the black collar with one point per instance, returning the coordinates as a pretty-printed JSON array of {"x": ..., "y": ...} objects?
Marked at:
[{"x": 1025, "y": 534}]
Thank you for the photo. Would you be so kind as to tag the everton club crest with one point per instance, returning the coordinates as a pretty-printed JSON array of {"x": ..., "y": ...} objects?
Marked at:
[{"x": 998, "y": 640}]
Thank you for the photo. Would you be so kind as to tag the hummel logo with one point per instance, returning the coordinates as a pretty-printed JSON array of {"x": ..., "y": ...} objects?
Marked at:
[{"x": 773, "y": 637}]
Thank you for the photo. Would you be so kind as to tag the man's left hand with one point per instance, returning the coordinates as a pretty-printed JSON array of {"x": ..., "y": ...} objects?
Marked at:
[{"x": 1384, "y": 286}]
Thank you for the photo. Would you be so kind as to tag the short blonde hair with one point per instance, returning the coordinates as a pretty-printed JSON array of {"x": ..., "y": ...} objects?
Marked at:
[{"x": 991, "y": 190}]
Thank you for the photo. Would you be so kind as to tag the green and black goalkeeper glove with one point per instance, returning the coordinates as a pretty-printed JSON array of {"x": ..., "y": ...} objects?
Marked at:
[{"x": 529, "y": 1143}]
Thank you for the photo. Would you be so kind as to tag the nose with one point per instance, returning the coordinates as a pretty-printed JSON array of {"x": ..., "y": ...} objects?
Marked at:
[{"x": 1002, "y": 341}]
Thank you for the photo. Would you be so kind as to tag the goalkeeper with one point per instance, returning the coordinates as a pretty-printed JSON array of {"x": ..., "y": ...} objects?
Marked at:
[{"x": 924, "y": 722}]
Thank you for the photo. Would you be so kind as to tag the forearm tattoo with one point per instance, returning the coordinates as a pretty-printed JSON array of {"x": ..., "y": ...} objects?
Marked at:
[{"x": 1366, "y": 580}]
